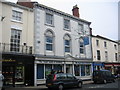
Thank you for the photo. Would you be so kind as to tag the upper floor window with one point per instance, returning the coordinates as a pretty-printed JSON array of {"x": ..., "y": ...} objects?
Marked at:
[
  {"x": 80, "y": 29},
  {"x": 81, "y": 47},
  {"x": 49, "y": 41},
  {"x": 115, "y": 46},
  {"x": 16, "y": 15},
  {"x": 106, "y": 55},
  {"x": 67, "y": 24},
  {"x": 98, "y": 55},
  {"x": 49, "y": 19},
  {"x": 15, "y": 40},
  {"x": 97, "y": 42},
  {"x": 105, "y": 44},
  {"x": 67, "y": 43},
  {"x": 116, "y": 56}
]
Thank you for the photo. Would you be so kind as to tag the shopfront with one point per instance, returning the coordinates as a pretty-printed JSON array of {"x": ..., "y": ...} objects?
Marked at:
[
  {"x": 113, "y": 67},
  {"x": 18, "y": 69},
  {"x": 98, "y": 66},
  {"x": 44, "y": 66}
]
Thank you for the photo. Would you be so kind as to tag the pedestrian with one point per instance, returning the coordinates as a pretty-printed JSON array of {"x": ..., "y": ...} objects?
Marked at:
[{"x": 1, "y": 80}]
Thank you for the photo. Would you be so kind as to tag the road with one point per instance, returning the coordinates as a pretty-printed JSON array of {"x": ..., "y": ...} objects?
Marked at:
[{"x": 90, "y": 86}]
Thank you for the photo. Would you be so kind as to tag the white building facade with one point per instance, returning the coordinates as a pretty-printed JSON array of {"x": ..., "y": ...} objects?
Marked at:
[
  {"x": 62, "y": 43},
  {"x": 105, "y": 54}
]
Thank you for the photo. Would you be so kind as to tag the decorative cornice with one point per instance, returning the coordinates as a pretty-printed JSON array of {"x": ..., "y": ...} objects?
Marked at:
[{"x": 40, "y": 6}]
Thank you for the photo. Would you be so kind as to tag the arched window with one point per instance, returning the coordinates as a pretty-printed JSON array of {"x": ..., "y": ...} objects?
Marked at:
[
  {"x": 67, "y": 43},
  {"x": 49, "y": 37}
]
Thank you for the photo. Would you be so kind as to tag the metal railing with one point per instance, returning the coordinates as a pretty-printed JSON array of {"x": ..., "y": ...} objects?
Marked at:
[{"x": 23, "y": 49}]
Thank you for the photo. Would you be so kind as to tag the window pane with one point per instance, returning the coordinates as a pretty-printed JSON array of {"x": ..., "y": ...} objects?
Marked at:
[
  {"x": 15, "y": 40},
  {"x": 98, "y": 54},
  {"x": 87, "y": 70},
  {"x": 16, "y": 15},
  {"x": 77, "y": 70},
  {"x": 67, "y": 49},
  {"x": 66, "y": 24},
  {"x": 49, "y": 47},
  {"x": 49, "y": 39},
  {"x": 48, "y": 69},
  {"x": 40, "y": 71},
  {"x": 49, "y": 18},
  {"x": 81, "y": 48},
  {"x": 82, "y": 70},
  {"x": 67, "y": 42}
]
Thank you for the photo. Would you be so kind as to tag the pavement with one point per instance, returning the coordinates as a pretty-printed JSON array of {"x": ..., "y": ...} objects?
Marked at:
[{"x": 37, "y": 87}]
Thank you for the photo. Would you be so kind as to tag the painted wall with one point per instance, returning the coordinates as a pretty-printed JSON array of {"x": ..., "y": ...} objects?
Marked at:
[
  {"x": 26, "y": 25},
  {"x": 57, "y": 28},
  {"x": 110, "y": 49}
]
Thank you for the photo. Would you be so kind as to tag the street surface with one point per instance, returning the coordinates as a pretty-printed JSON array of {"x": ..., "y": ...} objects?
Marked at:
[{"x": 89, "y": 86}]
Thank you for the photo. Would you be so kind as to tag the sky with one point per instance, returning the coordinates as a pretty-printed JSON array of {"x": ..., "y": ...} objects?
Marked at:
[{"x": 103, "y": 14}]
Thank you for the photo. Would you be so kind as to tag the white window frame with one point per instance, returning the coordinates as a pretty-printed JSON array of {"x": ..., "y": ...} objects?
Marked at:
[
  {"x": 49, "y": 20},
  {"x": 14, "y": 39},
  {"x": 66, "y": 24},
  {"x": 18, "y": 11}
]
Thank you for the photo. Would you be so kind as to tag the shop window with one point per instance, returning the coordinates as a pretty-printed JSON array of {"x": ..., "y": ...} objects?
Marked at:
[
  {"x": 82, "y": 70},
  {"x": 87, "y": 70},
  {"x": 77, "y": 70},
  {"x": 58, "y": 68},
  {"x": 48, "y": 69},
  {"x": 40, "y": 71}
]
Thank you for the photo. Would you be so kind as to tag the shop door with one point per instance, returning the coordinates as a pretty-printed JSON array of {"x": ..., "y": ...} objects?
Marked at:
[{"x": 19, "y": 75}]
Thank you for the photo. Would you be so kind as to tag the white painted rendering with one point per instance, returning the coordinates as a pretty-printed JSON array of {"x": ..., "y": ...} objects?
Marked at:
[{"x": 59, "y": 31}]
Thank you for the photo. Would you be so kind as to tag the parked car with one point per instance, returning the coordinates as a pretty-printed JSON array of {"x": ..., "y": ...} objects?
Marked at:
[
  {"x": 62, "y": 80},
  {"x": 103, "y": 76}
]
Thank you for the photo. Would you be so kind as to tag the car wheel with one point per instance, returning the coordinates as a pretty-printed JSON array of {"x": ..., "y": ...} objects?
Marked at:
[
  {"x": 60, "y": 87},
  {"x": 79, "y": 84},
  {"x": 104, "y": 81}
]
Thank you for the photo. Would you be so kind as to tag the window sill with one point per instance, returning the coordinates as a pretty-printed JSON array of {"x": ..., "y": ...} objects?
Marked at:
[
  {"x": 49, "y": 25},
  {"x": 16, "y": 21},
  {"x": 67, "y": 29}
]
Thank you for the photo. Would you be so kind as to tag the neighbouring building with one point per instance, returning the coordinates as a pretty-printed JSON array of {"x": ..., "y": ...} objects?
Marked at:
[
  {"x": 16, "y": 42},
  {"x": 105, "y": 54},
  {"x": 62, "y": 42}
]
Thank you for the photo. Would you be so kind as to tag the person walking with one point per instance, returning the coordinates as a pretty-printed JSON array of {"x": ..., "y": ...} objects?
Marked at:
[{"x": 1, "y": 80}]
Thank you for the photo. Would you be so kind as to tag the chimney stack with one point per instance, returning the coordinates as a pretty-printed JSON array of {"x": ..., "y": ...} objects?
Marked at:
[
  {"x": 26, "y": 3},
  {"x": 75, "y": 11}
]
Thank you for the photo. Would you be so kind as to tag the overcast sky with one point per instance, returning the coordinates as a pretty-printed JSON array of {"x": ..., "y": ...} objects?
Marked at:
[{"x": 103, "y": 14}]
